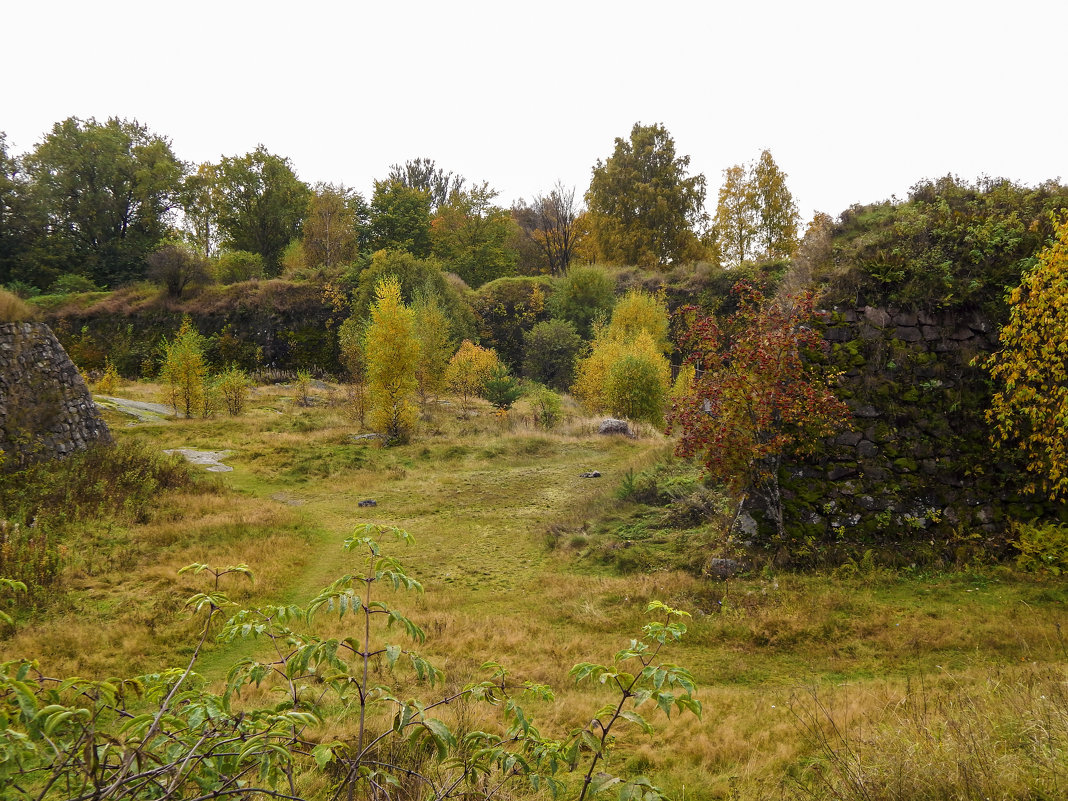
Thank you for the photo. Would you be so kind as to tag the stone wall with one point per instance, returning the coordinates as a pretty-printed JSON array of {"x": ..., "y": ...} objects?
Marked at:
[
  {"x": 45, "y": 408},
  {"x": 914, "y": 464}
]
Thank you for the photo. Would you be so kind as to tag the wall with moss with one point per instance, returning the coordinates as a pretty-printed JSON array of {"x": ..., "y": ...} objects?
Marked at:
[
  {"x": 266, "y": 324},
  {"x": 45, "y": 408},
  {"x": 913, "y": 472}
]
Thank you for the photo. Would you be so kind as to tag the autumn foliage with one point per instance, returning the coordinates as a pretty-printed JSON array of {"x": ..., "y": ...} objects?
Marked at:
[
  {"x": 756, "y": 396},
  {"x": 1030, "y": 408}
]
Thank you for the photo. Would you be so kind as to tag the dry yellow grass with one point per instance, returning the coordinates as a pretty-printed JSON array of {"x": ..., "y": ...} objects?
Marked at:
[{"x": 479, "y": 495}]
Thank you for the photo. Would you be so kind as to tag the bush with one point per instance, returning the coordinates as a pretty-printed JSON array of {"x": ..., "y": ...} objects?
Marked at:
[
  {"x": 550, "y": 350},
  {"x": 635, "y": 388},
  {"x": 70, "y": 283},
  {"x": 1043, "y": 547},
  {"x": 233, "y": 385},
  {"x": 546, "y": 407},
  {"x": 468, "y": 371},
  {"x": 510, "y": 307},
  {"x": 238, "y": 265}
]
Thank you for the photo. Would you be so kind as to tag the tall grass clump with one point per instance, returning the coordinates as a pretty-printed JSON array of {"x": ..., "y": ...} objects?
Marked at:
[
  {"x": 1004, "y": 737},
  {"x": 14, "y": 309}
]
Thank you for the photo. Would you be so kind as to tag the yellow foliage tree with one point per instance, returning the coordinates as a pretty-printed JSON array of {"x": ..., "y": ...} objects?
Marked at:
[
  {"x": 625, "y": 377},
  {"x": 468, "y": 370},
  {"x": 391, "y": 356},
  {"x": 1031, "y": 407},
  {"x": 435, "y": 346},
  {"x": 639, "y": 311},
  {"x": 184, "y": 370}
]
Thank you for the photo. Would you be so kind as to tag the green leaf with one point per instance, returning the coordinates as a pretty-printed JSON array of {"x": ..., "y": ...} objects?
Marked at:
[{"x": 637, "y": 720}]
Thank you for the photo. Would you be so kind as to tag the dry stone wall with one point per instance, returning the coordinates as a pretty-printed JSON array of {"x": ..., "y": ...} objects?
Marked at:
[
  {"x": 914, "y": 469},
  {"x": 45, "y": 408}
]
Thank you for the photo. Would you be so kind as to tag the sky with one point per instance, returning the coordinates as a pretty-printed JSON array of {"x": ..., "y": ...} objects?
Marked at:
[{"x": 857, "y": 101}]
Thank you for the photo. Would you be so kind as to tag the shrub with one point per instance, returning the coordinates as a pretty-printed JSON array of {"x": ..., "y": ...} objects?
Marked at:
[
  {"x": 109, "y": 381},
  {"x": 233, "y": 385},
  {"x": 1043, "y": 547},
  {"x": 184, "y": 370},
  {"x": 238, "y": 265},
  {"x": 546, "y": 407},
  {"x": 70, "y": 283},
  {"x": 635, "y": 388}
]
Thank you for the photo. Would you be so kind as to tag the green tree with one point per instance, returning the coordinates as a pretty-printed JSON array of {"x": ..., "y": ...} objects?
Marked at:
[
  {"x": 105, "y": 190},
  {"x": 261, "y": 205},
  {"x": 509, "y": 307},
  {"x": 625, "y": 377},
  {"x": 424, "y": 174},
  {"x": 399, "y": 219},
  {"x": 415, "y": 276},
  {"x": 392, "y": 358},
  {"x": 200, "y": 199},
  {"x": 501, "y": 388},
  {"x": 235, "y": 266},
  {"x": 550, "y": 349},
  {"x": 777, "y": 215},
  {"x": 644, "y": 206},
  {"x": 1029, "y": 409},
  {"x": 184, "y": 370},
  {"x": 472, "y": 236},
  {"x": 583, "y": 295}
]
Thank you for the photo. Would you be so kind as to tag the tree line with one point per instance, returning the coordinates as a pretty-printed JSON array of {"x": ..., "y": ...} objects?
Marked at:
[{"x": 93, "y": 204}]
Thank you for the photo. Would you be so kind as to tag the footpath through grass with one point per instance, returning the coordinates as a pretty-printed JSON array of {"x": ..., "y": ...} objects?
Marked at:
[{"x": 780, "y": 656}]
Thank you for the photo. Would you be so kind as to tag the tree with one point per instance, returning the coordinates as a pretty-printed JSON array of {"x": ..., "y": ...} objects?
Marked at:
[
  {"x": 177, "y": 267},
  {"x": 757, "y": 398},
  {"x": 583, "y": 295},
  {"x": 471, "y": 236},
  {"x": 777, "y": 216},
  {"x": 331, "y": 226},
  {"x": 400, "y": 219},
  {"x": 184, "y": 370},
  {"x": 423, "y": 174},
  {"x": 1029, "y": 410},
  {"x": 756, "y": 215},
  {"x": 467, "y": 372},
  {"x": 549, "y": 352},
  {"x": 392, "y": 357},
  {"x": 736, "y": 224},
  {"x": 105, "y": 190},
  {"x": 643, "y": 204},
  {"x": 507, "y": 308},
  {"x": 501, "y": 389},
  {"x": 200, "y": 200},
  {"x": 432, "y": 329},
  {"x": 16, "y": 220},
  {"x": 550, "y": 223},
  {"x": 626, "y": 373},
  {"x": 261, "y": 205}
]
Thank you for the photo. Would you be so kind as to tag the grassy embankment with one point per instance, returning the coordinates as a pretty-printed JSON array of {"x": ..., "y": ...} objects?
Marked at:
[{"x": 929, "y": 677}]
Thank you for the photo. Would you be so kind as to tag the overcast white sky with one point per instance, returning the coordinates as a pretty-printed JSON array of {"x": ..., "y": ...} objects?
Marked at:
[{"x": 856, "y": 100}]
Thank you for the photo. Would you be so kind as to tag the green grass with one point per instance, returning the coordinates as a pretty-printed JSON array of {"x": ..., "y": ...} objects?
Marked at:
[{"x": 483, "y": 498}]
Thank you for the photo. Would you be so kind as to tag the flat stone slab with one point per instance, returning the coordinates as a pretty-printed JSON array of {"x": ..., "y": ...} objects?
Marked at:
[
  {"x": 143, "y": 411},
  {"x": 211, "y": 460}
]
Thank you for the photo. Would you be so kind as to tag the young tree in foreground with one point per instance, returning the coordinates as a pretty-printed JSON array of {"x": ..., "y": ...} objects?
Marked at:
[
  {"x": 1030, "y": 409},
  {"x": 392, "y": 357},
  {"x": 758, "y": 398},
  {"x": 273, "y": 730},
  {"x": 185, "y": 370}
]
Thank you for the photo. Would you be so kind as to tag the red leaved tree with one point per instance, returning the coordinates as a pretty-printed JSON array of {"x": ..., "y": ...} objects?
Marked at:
[{"x": 756, "y": 397}]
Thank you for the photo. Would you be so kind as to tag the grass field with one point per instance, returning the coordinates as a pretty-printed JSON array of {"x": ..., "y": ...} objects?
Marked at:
[{"x": 855, "y": 684}]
